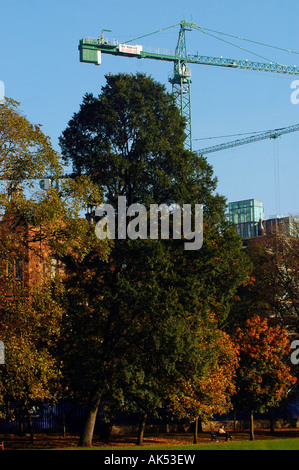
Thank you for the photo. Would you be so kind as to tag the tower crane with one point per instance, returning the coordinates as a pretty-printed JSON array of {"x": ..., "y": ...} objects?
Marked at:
[{"x": 90, "y": 51}]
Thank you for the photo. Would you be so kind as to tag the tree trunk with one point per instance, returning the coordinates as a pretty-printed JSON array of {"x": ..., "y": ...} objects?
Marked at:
[
  {"x": 21, "y": 419},
  {"x": 90, "y": 420},
  {"x": 63, "y": 422},
  {"x": 106, "y": 430},
  {"x": 272, "y": 430},
  {"x": 30, "y": 426},
  {"x": 21, "y": 423},
  {"x": 195, "y": 431},
  {"x": 235, "y": 421},
  {"x": 141, "y": 429},
  {"x": 251, "y": 426}
]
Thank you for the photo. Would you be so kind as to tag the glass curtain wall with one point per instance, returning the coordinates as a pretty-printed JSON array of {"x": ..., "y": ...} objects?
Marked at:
[{"x": 246, "y": 215}]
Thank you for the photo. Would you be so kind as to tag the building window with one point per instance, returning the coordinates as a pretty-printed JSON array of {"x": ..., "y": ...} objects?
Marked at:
[
  {"x": 18, "y": 269},
  {"x": 14, "y": 269}
]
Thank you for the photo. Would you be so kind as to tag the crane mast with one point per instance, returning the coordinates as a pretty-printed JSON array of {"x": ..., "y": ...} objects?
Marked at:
[
  {"x": 181, "y": 82},
  {"x": 91, "y": 51}
]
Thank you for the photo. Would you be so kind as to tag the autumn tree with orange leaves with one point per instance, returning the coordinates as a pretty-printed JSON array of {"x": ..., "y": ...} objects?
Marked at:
[
  {"x": 37, "y": 227},
  {"x": 263, "y": 377},
  {"x": 210, "y": 393}
]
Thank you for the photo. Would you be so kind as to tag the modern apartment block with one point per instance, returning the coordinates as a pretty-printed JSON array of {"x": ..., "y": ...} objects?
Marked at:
[{"x": 247, "y": 216}]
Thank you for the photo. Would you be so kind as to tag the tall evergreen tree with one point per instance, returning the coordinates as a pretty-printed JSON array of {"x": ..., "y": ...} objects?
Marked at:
[{"x": 142, "y": 313}]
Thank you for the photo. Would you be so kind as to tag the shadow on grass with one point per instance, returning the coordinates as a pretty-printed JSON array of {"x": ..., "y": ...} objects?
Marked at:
[{"x": 281, "y": 440}]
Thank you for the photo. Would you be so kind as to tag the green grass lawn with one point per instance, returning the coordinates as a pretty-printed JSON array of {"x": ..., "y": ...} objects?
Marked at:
[
  {"x": 282, "y": 440},
  {"x": 268, "y": 444}
]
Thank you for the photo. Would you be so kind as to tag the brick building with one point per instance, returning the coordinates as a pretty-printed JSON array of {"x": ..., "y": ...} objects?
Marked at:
[{"x": 25, "y": 257}]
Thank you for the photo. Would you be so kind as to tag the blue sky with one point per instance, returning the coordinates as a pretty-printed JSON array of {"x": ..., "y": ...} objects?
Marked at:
[{"x": 39, "y": 65}]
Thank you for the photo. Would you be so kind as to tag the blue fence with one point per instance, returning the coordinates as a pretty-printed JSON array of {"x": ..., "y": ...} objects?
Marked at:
[
  {"x": 68, "y": 417},
  {"x": 64, "y": 417}
]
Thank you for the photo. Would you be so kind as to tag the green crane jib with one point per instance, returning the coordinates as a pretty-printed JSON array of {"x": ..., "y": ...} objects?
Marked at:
[
  {"x": 48, "y": 181},
  {"x": 271, "y": 134},
  {"x": 92, "y": 49}
]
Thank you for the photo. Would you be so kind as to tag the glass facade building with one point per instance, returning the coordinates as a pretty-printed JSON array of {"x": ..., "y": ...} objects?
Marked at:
[{"x": 247, "y": 217}]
